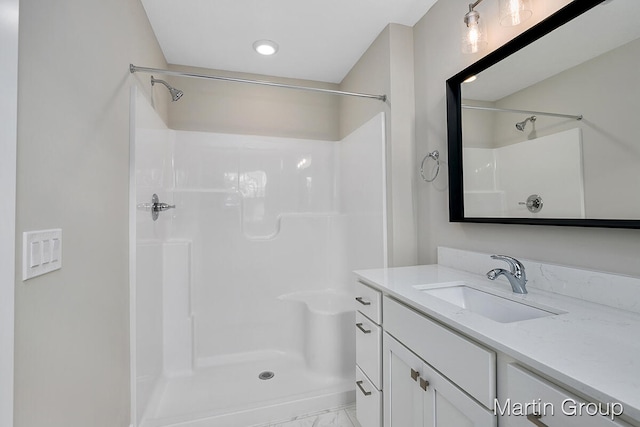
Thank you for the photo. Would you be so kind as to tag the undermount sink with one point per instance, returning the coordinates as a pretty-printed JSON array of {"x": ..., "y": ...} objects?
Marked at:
[{"x": 492, "y": 306}]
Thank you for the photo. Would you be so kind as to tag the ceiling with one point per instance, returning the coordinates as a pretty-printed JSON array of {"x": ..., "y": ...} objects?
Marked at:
[{"x": 319, "y": 39}]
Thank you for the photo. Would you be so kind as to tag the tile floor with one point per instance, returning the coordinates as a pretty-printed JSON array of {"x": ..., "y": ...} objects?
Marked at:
[{"x": 341, "y": 417}]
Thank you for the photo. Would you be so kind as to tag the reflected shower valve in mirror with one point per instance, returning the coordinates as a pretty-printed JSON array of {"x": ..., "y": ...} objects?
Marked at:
[{"x": 534, "y": 203}]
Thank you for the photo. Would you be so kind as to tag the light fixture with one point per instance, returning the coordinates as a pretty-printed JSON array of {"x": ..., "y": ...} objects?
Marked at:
[
  {"x": 265, "y": 47},
  {"x": 474, "y": 34},
  {"x": 514, "y": 12},
  {"x": 470, "y": 79}
]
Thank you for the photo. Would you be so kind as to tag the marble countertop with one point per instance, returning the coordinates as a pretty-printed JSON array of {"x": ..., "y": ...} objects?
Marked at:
[{"x": 591, "y": 348}]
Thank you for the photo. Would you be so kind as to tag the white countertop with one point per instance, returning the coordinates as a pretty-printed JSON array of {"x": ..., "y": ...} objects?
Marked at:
[{"x": 591, "y": 348}]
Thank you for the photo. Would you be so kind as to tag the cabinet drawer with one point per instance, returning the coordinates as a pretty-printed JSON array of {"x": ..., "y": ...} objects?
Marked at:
[
  {"x": 368, "y": 302},
  {"x": 470, "y": 366},
  {"x": 368, "y": 402},
  {"x": 368, "y": 349},
  {"x": 557, "y": 407}
]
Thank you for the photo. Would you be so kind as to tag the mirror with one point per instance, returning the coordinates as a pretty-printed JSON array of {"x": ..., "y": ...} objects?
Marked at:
[{"x": 547, "y": 133}]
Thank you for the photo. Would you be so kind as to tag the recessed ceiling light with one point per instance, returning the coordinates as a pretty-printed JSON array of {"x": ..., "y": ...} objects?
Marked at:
[
  {"x": 265, "y": 47},
  {"x": 470, "y": 79}
]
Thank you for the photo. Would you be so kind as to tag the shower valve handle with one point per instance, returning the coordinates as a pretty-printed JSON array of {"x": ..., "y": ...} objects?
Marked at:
[
  {"x": 157, "y": 207},
  {"x": 534, "y": 203},
  {"x": 161, "y": 207}
]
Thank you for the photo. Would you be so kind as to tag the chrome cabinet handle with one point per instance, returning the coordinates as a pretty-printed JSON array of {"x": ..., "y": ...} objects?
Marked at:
[
  {"x": 365, "y": 392},
  {"x": 359, "y": 326},
  {"x": 361, "y": 301},
  {"x": 414, "y": 375},
  {"x": 535, "y": 420},
  {"x": 424, "y": 384}
]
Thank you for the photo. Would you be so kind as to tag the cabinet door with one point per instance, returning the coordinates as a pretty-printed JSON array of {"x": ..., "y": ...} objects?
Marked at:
[
  {"x": 403, "y": 399},
  {"x": 418, "y": 396},
  {"x": 445, "y": 405}
]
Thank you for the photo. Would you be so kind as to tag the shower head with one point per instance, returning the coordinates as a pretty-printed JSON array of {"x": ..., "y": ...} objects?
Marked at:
[
  {"x": 521, "y": 125},
  {"x": 175, "y": 93}
]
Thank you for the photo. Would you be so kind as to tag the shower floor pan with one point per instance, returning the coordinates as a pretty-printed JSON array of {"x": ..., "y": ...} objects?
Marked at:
[{"x": 233, "y": 395}]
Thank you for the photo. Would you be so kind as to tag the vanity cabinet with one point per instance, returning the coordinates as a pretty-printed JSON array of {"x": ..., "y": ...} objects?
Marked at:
[
  {"x": 368, "y": 332},
  {"x": 424, "y": 363}
]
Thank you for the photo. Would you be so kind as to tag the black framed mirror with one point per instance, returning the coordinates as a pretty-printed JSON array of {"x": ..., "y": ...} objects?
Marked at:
[{"x": 547, "y": 134}]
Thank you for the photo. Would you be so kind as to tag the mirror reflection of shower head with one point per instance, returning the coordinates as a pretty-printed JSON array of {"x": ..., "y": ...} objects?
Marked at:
[
  {"x": 521, "y": 125},
  {"x": 175, "y": 93}
]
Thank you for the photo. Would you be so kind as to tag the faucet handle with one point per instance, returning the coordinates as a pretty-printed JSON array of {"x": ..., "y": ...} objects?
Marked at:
[{"x": 516, "y": 267}]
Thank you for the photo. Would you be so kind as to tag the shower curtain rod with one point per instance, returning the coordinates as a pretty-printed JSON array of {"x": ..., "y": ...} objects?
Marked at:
[
  {"x": 537, "y": 113},
  {"x": 136, "y": 69}
]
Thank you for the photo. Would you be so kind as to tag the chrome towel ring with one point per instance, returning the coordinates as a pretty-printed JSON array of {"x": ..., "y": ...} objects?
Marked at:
[{"x": 435, "y": 155}]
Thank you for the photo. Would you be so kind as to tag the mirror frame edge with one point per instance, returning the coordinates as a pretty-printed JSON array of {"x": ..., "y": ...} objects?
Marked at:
[{"x": 454, "y": 124}]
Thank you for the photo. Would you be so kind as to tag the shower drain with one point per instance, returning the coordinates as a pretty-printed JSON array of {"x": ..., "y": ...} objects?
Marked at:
[{"x": 266, "y": 375}]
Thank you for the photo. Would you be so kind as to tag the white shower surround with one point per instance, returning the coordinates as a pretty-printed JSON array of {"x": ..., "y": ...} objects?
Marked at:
[
  {"x": 496, "y": 180},
  {"x": 250, "y": 272}
]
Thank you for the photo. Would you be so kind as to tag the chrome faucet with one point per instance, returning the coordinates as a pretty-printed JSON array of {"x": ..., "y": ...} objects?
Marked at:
[{"x": 516, "y": 276}]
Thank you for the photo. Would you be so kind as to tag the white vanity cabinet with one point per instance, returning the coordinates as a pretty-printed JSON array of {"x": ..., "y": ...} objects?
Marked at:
[
  {"x": 427, "y": 362},
  {"x": 433, "y": 376},
  {"x": 368, "y": 333}
]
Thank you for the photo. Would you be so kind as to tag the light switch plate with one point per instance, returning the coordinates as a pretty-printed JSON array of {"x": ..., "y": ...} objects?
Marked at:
[{"x": 41, "y": 252}]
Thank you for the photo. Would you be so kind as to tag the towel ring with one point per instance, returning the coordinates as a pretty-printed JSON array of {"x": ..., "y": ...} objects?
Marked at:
[{"x": 435, "y": 155}]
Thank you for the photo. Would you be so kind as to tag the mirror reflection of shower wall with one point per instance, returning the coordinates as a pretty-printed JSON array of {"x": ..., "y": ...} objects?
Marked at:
[{"x": 606, "y": 154}]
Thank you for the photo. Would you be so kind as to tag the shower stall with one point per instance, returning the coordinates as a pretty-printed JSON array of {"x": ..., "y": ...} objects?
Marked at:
[{"x": 241, "y": 295}]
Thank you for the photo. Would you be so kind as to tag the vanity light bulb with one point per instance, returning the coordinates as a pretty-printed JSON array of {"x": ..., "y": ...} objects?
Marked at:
[
  {"x": 514, "y": 12},
  {"x": 474, "y": 37}
]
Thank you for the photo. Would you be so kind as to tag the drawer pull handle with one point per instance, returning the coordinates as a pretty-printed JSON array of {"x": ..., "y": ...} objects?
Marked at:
[
  {"x": 535, "y": 419},
  {"x": 424, "y": 384},
  {"x": 359, "y": 326},
  {"x": 365, "y": 392},
  {"x": 414, "y": 375},
  {"x": 363, "y": 302}
]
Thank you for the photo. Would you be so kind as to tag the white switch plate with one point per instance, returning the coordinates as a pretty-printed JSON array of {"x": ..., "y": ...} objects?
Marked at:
[{"x": 41, "y": 252}]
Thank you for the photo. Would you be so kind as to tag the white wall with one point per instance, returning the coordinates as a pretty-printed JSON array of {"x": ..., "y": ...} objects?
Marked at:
[
  {"x": 362, "y": 194},
  {"x": 268, "y": 217},
  {"x": 258, "y": 211},
  {"x": 438, "y": 57},
  {"x": 72, "y": 325},
  {"x": 8, "y": 112}
]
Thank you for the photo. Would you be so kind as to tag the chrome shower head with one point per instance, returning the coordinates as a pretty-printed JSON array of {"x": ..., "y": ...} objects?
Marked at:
[
  {"x": 521, "y": 125},
  {"x": 175, "y": 93}
]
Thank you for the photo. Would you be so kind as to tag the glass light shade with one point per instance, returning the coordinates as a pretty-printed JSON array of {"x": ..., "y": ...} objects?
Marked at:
[
  {"x": 474, "y": 36},
  {"x": 514, "y": 12}
]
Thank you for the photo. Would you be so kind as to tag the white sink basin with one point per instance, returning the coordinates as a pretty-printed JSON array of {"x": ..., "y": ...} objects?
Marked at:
[{"x": 492, "y": 306}]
